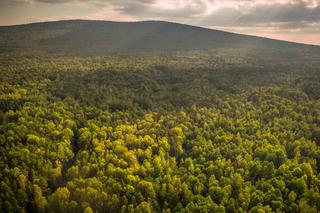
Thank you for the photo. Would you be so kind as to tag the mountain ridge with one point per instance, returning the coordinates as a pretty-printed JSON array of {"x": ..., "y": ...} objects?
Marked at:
[
  {"x": 108, "y": 37},
  {"x": 148, "y": 21}
]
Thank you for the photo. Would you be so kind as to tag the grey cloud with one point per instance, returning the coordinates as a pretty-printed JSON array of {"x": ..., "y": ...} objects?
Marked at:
[
  {"x": 54, "y": 1},
  {"x": 197, "y": 8},
  {"x": 282, "y": 15},
  {"x": 87, "y": 1}
]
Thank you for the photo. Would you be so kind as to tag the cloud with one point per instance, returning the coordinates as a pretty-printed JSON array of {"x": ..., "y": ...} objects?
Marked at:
[
  {"x": 176, "y": 10},
  {"x": 296, "y": 12},
  {"x": 106, "y": 2},
  {"x": 291, "y": 14}
]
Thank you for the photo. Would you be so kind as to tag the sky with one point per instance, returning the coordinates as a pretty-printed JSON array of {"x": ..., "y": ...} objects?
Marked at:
[{"x": 292, "y": 20}]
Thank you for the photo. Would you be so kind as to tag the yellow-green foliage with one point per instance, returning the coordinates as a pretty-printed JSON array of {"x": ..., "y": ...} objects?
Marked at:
[{"x": 191, "y": 133}]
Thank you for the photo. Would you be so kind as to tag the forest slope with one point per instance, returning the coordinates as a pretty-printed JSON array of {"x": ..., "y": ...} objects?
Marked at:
[{"x": 104, "y": 37}]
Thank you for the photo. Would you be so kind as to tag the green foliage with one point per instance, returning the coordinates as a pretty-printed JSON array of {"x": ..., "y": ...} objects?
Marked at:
[{"x": 185, "y": 132}]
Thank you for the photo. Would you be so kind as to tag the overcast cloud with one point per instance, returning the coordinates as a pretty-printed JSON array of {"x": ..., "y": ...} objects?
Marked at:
[{"x": 297, "y": 20}]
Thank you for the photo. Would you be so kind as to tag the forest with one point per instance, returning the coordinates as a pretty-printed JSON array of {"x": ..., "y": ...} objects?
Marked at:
[{"x": 233, "y": 129}]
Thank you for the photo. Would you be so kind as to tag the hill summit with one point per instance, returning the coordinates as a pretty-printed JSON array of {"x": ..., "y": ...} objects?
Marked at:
[{"x": 105, "y": 37}]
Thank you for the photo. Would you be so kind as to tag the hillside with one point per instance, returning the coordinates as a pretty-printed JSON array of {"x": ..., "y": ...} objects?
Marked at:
[
  {"x": 156, "y": 117},
  {"x": 103, "y": 37}
]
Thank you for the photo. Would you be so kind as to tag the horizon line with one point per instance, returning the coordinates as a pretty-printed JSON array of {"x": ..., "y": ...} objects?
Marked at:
[{"x": 164, "y": 21}]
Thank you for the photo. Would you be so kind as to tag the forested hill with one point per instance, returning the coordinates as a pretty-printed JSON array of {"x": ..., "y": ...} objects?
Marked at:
[{"x": 105, "y": 37}]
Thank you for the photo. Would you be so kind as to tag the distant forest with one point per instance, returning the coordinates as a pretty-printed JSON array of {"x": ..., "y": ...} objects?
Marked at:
[{"x": 230, "y": 126}]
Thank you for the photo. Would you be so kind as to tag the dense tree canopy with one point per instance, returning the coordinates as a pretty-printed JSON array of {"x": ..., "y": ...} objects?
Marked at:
[{"x": 193, "y": 132}]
